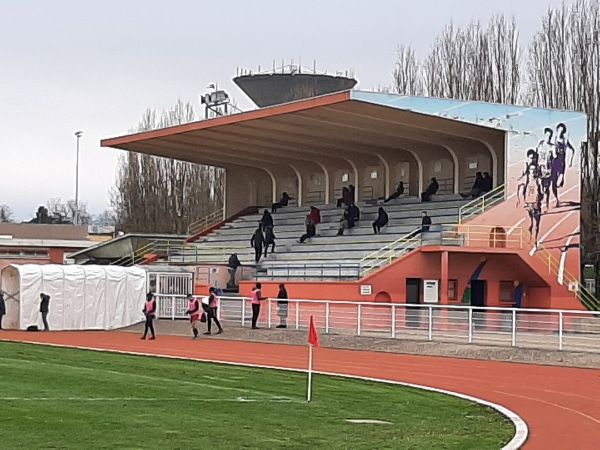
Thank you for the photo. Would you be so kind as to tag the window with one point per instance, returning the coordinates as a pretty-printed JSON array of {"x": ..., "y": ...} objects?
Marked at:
[
  {"x": 345, "y": 177},
  {"x": 23, "y": 253},
  {"x": 373, "y": 174},
  {"x": 452, "y": 289},
  {"x": 507, "y": 291}
]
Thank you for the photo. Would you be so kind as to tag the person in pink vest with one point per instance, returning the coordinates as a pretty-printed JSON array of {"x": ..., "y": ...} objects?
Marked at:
[
  {"x": 150, "y": 313},
  {"x": 256, "y": 299},
  {"x": 213, "y": 304},
  {"x": 194, "y": 313}
]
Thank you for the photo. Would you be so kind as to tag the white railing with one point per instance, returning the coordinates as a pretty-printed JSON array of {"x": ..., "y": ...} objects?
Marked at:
[{"x": 545, "y": 329}]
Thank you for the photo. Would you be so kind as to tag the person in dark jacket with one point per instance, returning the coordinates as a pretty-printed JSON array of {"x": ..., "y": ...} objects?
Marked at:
[
  {"x": 257, "y": 241},
  {"x": 381, "y": 221},
  {"x": 211, "y": 312},
  {"x": 477, "y": 188},
  {"x": 311, "y": 230},
  {"x": 2, "y": 308},
  {"x": 431, "y": 190},
  {"x": 150, "y": 313},
  {"x": 397, "y": 193},
  {"x": 282, "y": 306},
  {"x": 269, "y": 240},
  {"x": 45, "y": 309},
  {"x": 346, "y": 198},
  {"x": 285, "y": 200},
  {"x": 425, "y": 222},
  {"x": 232, "y": 267},
  {"x": 349, "y": 219},
  {"x": 266, "y": 220},
  {"x": 488, "y": 182}
]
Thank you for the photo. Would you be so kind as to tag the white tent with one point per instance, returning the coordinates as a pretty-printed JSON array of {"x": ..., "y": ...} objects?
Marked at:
[{"x": 82, "y": 297}]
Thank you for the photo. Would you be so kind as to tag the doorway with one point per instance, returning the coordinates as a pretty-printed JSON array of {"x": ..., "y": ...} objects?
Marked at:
[{"x": 413, "y": 297}]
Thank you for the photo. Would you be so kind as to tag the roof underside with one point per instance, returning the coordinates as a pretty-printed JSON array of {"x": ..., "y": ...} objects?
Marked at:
[{"x": 323, "y": 128}]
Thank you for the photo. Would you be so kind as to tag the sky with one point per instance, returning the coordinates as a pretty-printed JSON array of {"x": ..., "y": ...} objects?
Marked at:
[{"x": 96, "y": 66}]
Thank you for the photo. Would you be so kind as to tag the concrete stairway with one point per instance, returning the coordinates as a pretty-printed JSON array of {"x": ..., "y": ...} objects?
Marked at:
[{"x": 326, "y": 255}]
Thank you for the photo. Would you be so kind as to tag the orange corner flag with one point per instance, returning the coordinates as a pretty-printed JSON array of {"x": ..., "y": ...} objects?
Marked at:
[{"x": 313, "y": 337}]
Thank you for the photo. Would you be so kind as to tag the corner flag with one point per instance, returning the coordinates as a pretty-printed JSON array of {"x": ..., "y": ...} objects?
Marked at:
[
  {"x": 313, "y": 341},
  {"x": 313, "y": 337}
]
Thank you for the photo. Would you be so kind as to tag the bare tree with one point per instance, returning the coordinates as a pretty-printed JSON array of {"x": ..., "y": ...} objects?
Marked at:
[
  {"x": 406, "y": 76},
  {"x": 6, "y": 214},
  {"x": 474, "y": 63},
  {"x": 563, "y": 71},
  {"x": 64, "y": 212},
  {"x": 164, "y": 195}
]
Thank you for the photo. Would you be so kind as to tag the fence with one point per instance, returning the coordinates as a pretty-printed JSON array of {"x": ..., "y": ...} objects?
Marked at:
[{"x": 525, "y": 328}]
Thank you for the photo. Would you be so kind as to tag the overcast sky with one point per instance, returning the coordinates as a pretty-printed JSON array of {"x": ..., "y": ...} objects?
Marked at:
[{"x": 97, "y": 65}]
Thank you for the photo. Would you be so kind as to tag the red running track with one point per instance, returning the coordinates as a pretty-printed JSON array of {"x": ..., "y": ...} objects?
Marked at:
[{"x": 560, "y": 405}]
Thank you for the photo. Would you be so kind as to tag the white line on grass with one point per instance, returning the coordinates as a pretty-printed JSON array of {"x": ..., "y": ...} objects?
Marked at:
[
  {"x": 521, "y": 429},
  {"x": 152, "y": 399}
]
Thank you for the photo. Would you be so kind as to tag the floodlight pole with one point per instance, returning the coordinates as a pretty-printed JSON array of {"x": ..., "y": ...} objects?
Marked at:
[{"x": 78, "y": 135}]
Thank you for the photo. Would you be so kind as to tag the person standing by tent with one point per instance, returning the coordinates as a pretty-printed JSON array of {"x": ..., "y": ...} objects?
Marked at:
[
  {"x": 194, "y": 313},
  {"x": 213, "y": 304},
  {"x": 150, "y": 313},
  {"x": 256, "y": 299},
  {"x": 2, "y": 308},
  {"x": 45, "y": 309},
  {"x": 282, "y": 306},
  {"x": 257, "y": 241}
]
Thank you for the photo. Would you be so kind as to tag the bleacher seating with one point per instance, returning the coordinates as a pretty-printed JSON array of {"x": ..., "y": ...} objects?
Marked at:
[{"x": 326, "y": 249}]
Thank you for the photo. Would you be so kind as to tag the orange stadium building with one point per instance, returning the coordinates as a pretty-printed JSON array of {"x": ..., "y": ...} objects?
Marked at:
[{"x": 514, "y": 245}]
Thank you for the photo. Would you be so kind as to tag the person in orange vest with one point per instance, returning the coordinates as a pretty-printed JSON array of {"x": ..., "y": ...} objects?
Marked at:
[
  {"x": 194, "y": 313},
  {"x": 150, "y": 313},
  {"x": 213, "y": 304}
]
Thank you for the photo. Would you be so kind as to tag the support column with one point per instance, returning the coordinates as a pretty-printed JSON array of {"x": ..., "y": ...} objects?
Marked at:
[
  {"x": 444, "y": 278},
  {"x": 300, "y": 186},
  {"x": 387, "y": 176},
  {"x": 327, "y": 188}
]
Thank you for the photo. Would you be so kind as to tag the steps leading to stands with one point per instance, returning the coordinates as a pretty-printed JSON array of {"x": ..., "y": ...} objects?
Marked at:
[{"x": 326, "y": 248}]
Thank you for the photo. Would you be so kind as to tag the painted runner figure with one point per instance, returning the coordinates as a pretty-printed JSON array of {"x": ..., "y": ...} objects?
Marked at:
[{"x": 150, "y": 313}]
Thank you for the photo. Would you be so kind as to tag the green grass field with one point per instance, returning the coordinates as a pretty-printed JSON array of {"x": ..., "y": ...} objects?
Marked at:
[{"x": 65, "y": 398}]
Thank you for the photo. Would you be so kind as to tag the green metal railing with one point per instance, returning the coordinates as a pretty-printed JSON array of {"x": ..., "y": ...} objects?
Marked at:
[
  {"x": 206, "y": 222},
  {"x": 481, "y": 204}
]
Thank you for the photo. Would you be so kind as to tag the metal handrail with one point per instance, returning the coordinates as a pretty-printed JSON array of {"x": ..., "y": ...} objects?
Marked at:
[
  {"x": 480, "y": 204},
  {"x": 206, "y": 222},
  {"x": 586, "y": 298}
]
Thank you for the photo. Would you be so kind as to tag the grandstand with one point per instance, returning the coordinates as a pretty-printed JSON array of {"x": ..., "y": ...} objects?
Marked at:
[{"x": 506, "y": 248}]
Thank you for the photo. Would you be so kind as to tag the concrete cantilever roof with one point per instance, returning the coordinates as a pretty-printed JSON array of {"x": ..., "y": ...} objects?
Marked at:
[{"x": 353, "y": 124}]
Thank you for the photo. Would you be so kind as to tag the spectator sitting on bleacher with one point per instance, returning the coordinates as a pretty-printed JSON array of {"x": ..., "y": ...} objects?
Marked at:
[
  {"x": 397, "y": 193},
  {"x": 349, "y": 219},
  {"x": 431, "y": 190},
  {"x": 488, "y": 182},
  {"x": 314, "y": 215},
  {"x": 477, "y": 188},
  {"x": 266, "y": 220},
  {"x": 285, "y": 200},
  {"x": 311, "y": 230},
  {"x": 346, "y": 198},
  {"x": 381, "y": 221}
]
